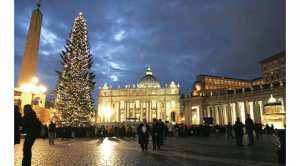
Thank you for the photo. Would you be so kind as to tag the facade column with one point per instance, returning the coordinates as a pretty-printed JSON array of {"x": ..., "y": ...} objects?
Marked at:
[
  {"x": 147, "y": 116},
  {"x": 133, "y": 109},
  {"x": 256, "y": 112},
  {"x": 228, "y": 111},
  {"x": 201, "y": 114},
  {"x": 189, "y": 112},
  {"x": 118, "y": 112},
  {"x": 263, "y": 106},
  {"x": 221, "y": 115},
  {"x": 128, "y": 110},
  {"x": 141, "y": 111},
  {"x": 213, "y": 114},
  {"x": 284, "y": 104},
  {"x": 246, "y": 107},
  {"x": 186, "y": 113},
  {"x": 237, "y": 111},
  {"x": 150, "y": 108},
  {"x": 204, "y": 110},
  {"x": 158, "y": 110}
]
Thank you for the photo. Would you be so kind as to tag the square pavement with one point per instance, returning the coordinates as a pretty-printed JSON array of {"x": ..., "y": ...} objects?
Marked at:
[{"x": 213, "y": 150}]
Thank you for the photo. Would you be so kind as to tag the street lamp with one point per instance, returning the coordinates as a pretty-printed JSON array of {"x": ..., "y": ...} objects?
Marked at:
[{"x": 33, "y": 89}]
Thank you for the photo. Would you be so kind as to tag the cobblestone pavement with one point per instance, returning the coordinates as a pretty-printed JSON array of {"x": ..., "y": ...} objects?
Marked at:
[{"x": 214, "y": 150}]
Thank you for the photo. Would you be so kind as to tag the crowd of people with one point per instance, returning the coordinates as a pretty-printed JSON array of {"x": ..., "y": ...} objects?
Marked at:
[{"x": 158, "y": 130}]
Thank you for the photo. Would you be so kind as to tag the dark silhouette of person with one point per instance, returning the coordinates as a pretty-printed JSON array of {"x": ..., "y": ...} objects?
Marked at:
[
  {"x": 143, "y": 132},
  {"x": 268, "y": 129},
  {"x": 51, "y": 133},
  {"x": 249, "y": 128},
  {"x": 17, "y": 124},
  {"x": 238, "y": 128},
  {"x": 161, "y": 132},
  {"x": 29, "y": 128},
  {"x": 229, "y": 131},
  {"x": 272, "y": 129},
  {"x": 155, "y": 134}
]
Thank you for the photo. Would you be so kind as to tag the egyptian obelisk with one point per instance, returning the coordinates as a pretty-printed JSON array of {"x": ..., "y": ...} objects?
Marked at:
[{"x": 29, "y": 62}]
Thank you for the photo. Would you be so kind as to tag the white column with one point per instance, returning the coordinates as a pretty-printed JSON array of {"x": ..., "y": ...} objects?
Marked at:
[
  {"x": 150, "y": 108},
  {"x": 201, "y": 113},
  {"x": 213, "y": 114},
  {"x": 237, "y": 111},
  {"x": 158, "y": 110},
  {"x": 228, "y": 111},
  {"x": 118, "y": 112},
  {"x": 263, "y": 106},
  {"x": 284, "y": 103},
  {"x": 147, "y": 114},
  {"x": 128, "y": 110},
  {"x": 133, "y": 107}
]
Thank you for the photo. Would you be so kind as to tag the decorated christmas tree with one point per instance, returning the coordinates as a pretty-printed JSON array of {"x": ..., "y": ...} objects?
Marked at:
[{"x": 74, "y": 102}]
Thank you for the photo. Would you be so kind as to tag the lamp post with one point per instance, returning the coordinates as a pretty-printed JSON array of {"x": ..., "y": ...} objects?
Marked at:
[{"x": 33, "y": 89}]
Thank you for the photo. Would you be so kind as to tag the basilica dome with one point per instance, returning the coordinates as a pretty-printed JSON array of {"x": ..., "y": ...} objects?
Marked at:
[{"x": 149, "y": 81}]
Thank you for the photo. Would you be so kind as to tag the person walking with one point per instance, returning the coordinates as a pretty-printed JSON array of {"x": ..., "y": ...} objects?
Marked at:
[
  {"x": 17, "y": 124},
  {"x": 249, "y": 129},
  {"x": 238, "y": 128},
  {"x": 229, "y": 131},
  {"x": 155, "y": 134},
  {"x": 51, "y": 133},
  {"x": 31, "y": 127},
  {"x": 143, "y": 132}
]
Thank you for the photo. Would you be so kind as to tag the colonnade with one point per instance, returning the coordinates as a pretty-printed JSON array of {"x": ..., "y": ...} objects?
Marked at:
[{"x": 225, "y": 112}]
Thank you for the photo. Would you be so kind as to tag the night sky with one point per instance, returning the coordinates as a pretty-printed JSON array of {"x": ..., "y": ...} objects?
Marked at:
[{"x": 179, "y": 39}]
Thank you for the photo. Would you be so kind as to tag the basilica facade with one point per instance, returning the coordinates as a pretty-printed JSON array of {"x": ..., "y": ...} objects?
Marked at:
[{"x": 147, "y": 99}]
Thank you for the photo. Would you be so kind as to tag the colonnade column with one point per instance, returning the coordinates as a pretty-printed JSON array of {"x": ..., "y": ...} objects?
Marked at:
[
  {"x": 128, "y": 110},
  {"x": 256, "y": 112},
  {"x": 284, "y": 103},
  {"x": 200, "y": 114},
  {"x": 158, "y": 110},
  {"x": 263, "y": 106},
  {"x": 133, "y": 108},
  {"x": 237, "y": 110},
  {"x": 228, "y": 111},
  {"x": 118, "y": 112},
  {"x": 221, "y": 114},
  {"x": 213, "y": 114},
  {"x": 147, "y": 116},
  {"x": 150, "y": 108}
]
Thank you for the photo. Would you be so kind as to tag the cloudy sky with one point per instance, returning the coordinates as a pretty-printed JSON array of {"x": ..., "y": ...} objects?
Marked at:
[{"x": 179, "y": 39}]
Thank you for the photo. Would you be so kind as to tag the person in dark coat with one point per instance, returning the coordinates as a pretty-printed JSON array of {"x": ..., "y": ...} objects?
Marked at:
[
  {"x": 238, "y": 128},
  {"x": 161, "y": 132},
  {"x": 17, "y": 124},
  {"x": 51, "y": 133},
  {"x": 249, "y": 128},
  {"x": 155, "y": 134},
  {"x": 143, "y": 132},
  {"x": 30, "y": 129},
  {"x": 123, "y": 131},
  {"x": 229, "y": 131}
]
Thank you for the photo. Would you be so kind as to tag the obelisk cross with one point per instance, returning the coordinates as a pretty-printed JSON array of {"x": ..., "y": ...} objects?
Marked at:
[{"x": 39, "y": 4}]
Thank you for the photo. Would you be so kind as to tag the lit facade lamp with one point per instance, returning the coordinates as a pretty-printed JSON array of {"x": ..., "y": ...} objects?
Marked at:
[{"x": 33, "y": 89}]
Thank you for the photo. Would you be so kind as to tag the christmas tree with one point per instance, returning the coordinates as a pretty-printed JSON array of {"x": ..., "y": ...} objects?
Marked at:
[{"x": 74, "y": 100}]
